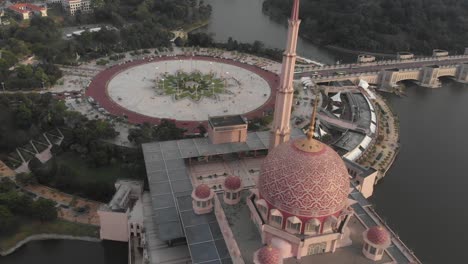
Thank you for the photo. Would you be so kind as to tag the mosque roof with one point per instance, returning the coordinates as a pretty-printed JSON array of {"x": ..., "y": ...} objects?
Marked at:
[
  {"x": 202, "y": 191},
  {"x": 269, "y": 255},
  {"x": 304, "y": 177},
  {"x": 232, "y": 182},
  {"x": 378, "y": 235}
]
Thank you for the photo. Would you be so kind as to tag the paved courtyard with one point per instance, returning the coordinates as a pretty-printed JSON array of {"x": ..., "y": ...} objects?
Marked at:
[
  {"x": 248, "y": 93},
  {"x": 134, "y": 89}
]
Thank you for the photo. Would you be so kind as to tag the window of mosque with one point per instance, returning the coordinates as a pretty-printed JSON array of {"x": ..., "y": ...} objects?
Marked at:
[
  {"x": 276, "y": 219},
  {"x": 312, "y": 227},
  {"x": 294, "y": 227},
  {"x": 228, "y": 195},
  {"x": 234, "y": 196},
  {"x": 372, "y": 250},
  {"x": 366, "y": 246}
]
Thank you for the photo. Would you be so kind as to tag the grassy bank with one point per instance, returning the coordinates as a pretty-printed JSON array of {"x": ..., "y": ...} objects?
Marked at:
[{"x": 28, "y": 228}]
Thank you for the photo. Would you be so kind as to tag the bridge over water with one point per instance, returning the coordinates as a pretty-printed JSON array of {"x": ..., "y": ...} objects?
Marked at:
[{"x": 386, "y": 74}]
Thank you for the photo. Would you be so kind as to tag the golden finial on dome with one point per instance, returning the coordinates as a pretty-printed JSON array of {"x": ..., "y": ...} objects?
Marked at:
[{"x": 309, "y": 144}]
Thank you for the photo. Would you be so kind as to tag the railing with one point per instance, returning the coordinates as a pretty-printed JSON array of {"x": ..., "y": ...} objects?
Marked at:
[{"x": 228, "y": 236}]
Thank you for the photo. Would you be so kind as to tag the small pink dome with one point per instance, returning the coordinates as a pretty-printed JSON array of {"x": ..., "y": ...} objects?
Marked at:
[
  {"x": 232, "y": 182},
  {"x": 202, "y": 191},
  {"x": 269, "y": 255},
  {"x": 378, "y": 235}
]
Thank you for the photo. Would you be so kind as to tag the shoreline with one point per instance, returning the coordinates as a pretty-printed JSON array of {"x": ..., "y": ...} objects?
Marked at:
[
  {"x": 357, "y": 52},
  {"x": 39, "y": 237}
]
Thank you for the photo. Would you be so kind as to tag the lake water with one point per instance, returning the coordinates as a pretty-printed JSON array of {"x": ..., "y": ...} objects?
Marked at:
[{"x": 69, "y": 252}]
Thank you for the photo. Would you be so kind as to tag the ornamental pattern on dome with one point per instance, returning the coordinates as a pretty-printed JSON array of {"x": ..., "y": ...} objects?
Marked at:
[
  {"x": 202, "y": 191},
  {"x": 232, "y": 182},
  {"x": 269, "y": 255},
  {"x": 378, "y": 235},
  {"x": 304, "y": 184}
]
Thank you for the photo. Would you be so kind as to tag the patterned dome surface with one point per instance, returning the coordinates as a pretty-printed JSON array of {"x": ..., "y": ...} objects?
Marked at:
[
  {"x": 308, "y": 184},
  {"x": 378, "y": 235},
  {"x": 202, "y": 191},
  {"x": 269, "y": 255},
  {"x": 232, "y": 182}
]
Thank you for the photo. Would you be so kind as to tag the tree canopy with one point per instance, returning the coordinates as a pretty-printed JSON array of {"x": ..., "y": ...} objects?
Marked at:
[{"x": 381, "y": 25}]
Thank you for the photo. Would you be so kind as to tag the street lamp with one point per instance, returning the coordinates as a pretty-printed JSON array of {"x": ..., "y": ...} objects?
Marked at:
[{"x": 225, "y": 81}]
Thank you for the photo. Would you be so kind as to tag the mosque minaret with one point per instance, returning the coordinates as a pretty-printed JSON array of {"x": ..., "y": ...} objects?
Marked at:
[{"x": 284, "y": 96}]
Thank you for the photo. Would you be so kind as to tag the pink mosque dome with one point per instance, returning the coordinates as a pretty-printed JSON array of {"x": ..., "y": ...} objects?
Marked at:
[
  {"x": 202, "y": 191},
  {"x": 305, "y": 178},
  {"x": 269, "y": 255},
  {"x": 232, "y": 182},
  {"x": 378, "y": 235}
]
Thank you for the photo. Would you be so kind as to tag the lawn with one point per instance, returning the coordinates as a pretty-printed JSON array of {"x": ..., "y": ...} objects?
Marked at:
[
  {"x": 86, "y": 174},
  {"x": 194, "y": 85},
  {"x": 28, "y": 228}
]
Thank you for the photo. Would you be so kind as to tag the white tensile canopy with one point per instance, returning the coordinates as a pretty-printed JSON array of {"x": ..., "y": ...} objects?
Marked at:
[
  {"x": 322, "y": 132},
  {"x": 336, "y": 97},
  {"x": 354, "y": 154},
  {"x": 363, "y": 84}
]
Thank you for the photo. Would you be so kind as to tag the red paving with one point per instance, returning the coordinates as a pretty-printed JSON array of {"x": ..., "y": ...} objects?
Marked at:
[{"x": 98, "y": 91}]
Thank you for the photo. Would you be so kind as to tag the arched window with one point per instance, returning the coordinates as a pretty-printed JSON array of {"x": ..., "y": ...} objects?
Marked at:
[
  {"x": 313, "y": 227},
  {"x": 330, "y": 224},
  {"x": 293, "y": 225},
  {"x": 228, "y": 195},
  {"x": 276, "y": 218},
  {"x": 234, "y": 196}
]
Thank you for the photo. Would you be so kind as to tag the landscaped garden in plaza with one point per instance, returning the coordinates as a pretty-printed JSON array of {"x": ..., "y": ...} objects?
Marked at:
[{"x": 194, "y": 85}]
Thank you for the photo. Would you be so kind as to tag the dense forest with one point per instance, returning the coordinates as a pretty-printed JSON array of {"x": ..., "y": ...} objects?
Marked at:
[
  {"x": 137, "y": 25},
  {"x": 381, "y": 25}
]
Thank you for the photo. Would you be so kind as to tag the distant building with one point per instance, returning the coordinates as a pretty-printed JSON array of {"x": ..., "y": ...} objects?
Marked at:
[
  {"x": 26, "y": 11},
  {"x": 227, "y": 129},
  {"x": 439, "y": 53},
  {"x": 405, "y": 56},
  {"x": 122, "y": 218},
  {"x": 364, "y": 58},
  {"x": 74, "y": 6}
]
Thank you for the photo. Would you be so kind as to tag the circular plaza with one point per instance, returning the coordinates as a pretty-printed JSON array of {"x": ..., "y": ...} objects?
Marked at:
[{"x": 187, "y": 89}]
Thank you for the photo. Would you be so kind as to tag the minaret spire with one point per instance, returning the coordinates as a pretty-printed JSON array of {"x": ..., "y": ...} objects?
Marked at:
[
  {"x": 310, "y": 133},
  {"x": 284, "y": 96},
  {"x": 309, "y": 144}
]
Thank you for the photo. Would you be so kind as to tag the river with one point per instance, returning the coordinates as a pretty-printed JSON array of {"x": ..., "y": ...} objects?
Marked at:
[{"x": 422, "y": 195}]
